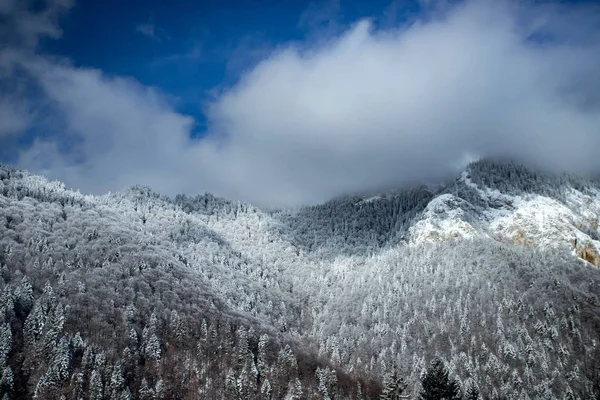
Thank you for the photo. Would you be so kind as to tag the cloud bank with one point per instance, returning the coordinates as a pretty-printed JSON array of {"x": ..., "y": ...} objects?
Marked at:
[{"x": 369, "y": 108}]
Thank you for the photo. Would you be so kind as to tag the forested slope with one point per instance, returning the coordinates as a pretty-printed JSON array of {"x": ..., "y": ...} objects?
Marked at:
[{"x": 136, "y": 295}]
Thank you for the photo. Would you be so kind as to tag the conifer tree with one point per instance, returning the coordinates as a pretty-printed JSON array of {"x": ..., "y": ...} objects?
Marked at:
[
  {"x": 96, "y": 389},
  {"x": 472, "y": 392},
  {"x": 5, "y": 343},
  {"x": 393, "y": 386},
  {"x": 437, "y": 385}
]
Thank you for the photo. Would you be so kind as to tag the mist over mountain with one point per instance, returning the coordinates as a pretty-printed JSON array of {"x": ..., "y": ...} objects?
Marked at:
[
  {"x": 282, "y": 106},
  {"x": 139, "y": 295}
]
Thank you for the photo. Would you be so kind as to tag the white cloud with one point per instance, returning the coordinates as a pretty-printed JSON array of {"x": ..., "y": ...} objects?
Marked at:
[
  {"x": 150, "y": 30},
  {"x": 147, "y": 29},
  {"x": 24, "y": 22},
  {"x": 367, "y": 109},
  {"x": 14, "y": 117},
  {"x": 118, "y": 132}
]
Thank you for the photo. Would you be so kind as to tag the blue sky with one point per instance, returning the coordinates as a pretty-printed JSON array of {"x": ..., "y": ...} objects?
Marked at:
[
  {"x": 287, "y": 103},
  {"x": 188, "y": 48}
]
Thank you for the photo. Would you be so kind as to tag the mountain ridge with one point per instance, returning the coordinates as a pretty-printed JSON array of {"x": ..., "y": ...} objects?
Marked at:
[{"x": 338, "y": 292}]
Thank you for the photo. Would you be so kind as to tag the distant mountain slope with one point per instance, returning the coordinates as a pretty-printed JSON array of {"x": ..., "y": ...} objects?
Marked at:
[
  {"x": 100, "y": 300},
  {"x": 510, "y": 203},
  {"x": 356, "y": 225},
  {"x": 136, "y": 295}
]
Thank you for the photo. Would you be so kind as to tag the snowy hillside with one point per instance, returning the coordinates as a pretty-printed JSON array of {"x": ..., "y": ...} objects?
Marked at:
[
  {"x": 529, "y": 219},
  {"x": 137, "y": 295}
]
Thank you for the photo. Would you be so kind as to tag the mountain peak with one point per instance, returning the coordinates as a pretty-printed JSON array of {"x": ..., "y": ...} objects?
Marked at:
[{"x": 511, "y": 203}]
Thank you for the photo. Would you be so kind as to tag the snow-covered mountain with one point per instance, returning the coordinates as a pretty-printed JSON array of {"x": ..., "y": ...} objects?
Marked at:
[
  {"x": 137, "y": 295},
  {"x": 526, "y": 218}
]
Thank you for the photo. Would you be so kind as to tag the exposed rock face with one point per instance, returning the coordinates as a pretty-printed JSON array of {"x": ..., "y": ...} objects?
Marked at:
[
  {"x": 589, "y": 254},
  {"x": 444, "y": 218},
  {"x": 530, "y": 220}
]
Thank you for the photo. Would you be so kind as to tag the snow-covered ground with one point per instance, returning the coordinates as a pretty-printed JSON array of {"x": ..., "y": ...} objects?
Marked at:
[
  {"x": 443, "y": 218},
  {"x": 533, "y": 221}
]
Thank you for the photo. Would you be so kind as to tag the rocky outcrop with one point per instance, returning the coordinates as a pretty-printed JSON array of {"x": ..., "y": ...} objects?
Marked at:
[
  {"x": 589, "y": 254},
  {"x": 529, "y": 220}
]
